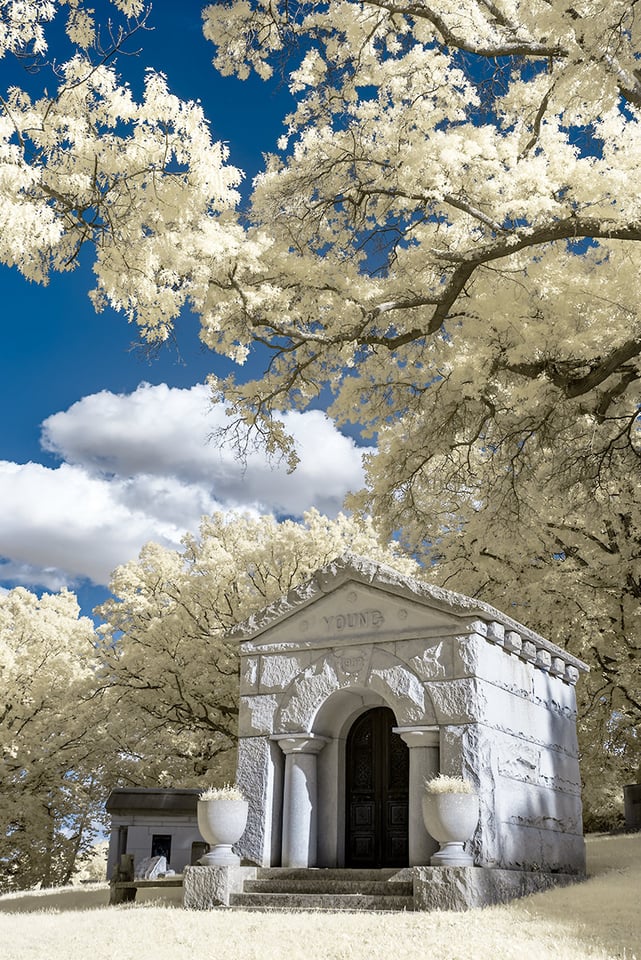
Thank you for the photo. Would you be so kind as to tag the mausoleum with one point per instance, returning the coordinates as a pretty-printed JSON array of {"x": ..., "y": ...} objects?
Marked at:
[
  {"x": 361, "y": 684},
  {"x": 154, "y": 822}
]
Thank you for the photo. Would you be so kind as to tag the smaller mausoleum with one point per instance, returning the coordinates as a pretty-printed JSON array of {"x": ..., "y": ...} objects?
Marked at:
[
  {"x": 361, "y": 684},
  {"x": 154, "y": 823}
]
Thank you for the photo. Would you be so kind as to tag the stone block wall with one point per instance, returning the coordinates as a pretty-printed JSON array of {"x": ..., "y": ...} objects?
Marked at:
[{"x": 510, "y": 725}]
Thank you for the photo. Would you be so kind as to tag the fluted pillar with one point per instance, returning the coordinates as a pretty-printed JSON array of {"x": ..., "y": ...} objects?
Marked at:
[
  {"x": 423, "y": 743},
  {"x": 300, "y": 803}
]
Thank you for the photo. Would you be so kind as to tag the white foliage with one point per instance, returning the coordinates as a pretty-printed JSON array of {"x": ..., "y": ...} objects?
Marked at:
[
  {"x": 455, "y": 255},
  {"x": 50, "y": 742},
  {"x": 169, "y": 663},
  {"x": 142, "y": 181},
  {"x": 450, "y": 245}
]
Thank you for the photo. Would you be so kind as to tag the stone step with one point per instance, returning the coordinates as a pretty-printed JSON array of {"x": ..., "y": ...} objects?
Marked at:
[
  {"x": 333, "y": 873},
  {"x": 319, "y": 901},
  {"x": 320, "y": 884}
]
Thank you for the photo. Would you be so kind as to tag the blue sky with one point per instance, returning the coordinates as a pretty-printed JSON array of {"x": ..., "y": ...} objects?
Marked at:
[{"x": 95, "y": 456}]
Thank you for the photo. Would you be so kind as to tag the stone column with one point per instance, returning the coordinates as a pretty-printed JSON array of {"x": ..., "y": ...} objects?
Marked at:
[
  {"x": 424, "y": 764},
  {"x": 300, "y": 805}
]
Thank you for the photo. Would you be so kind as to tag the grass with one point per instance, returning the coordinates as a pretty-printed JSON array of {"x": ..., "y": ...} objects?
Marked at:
[{"x": 598, "y": 919}]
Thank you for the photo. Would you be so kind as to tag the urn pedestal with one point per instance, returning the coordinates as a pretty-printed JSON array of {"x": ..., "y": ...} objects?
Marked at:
[{"x": 451, "y": 819}]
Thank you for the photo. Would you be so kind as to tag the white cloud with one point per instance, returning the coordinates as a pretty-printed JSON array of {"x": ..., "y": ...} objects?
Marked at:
[
  {"x": 67, "y": 522},
  {"x": 141, "y": 467},
  {"x": 165, "y": 432}
]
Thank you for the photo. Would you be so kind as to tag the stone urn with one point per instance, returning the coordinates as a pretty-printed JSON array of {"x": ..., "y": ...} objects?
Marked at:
[
  {"x": 450, "y": 814},
  {"x": 222, "y": 818}
]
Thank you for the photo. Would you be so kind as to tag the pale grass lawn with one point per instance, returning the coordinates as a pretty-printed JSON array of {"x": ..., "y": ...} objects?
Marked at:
[{"x": 598, "y": 919}]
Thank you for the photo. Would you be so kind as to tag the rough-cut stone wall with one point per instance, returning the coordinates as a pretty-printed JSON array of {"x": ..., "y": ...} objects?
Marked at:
[
  {"x": 511, "y": 725},
  {"x": 260, "y": 777},
  {"x": 503, "y": 701}
]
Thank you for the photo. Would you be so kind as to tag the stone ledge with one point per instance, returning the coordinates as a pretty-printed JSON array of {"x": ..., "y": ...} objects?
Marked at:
[
  {"x": 464, "y": 888},
  {"x": 208, "y": 887}
]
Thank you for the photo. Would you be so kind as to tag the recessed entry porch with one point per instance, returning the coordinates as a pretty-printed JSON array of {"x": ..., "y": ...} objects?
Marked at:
[{"x": 351, "y": 788}]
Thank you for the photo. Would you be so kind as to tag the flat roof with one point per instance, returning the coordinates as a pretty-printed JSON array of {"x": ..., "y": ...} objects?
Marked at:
[{"x": 137, "y": 799}]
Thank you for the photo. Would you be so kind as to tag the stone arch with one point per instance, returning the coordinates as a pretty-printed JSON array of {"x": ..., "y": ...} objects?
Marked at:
[
  {"x": 358, "y": 672},
  {"x": 338, "y": 713}
]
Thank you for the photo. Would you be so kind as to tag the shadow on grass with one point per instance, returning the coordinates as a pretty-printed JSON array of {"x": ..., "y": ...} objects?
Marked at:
[{"x": 88, "y": 897}]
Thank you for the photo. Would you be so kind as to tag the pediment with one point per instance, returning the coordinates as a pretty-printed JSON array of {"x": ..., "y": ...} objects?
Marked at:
[
  {"x": 354, "y": 613},
  {"x": 355, "y": 600}
]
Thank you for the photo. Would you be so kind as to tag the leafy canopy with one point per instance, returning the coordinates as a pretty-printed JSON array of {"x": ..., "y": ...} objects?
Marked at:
[
  {"x": 446, "y": 239},
  {"x": 455, "y": 230},
  {"x": 52, "y": 753}
]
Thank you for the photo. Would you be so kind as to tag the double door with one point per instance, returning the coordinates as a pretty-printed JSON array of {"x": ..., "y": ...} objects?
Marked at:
[{"x": 377, "y": 793}]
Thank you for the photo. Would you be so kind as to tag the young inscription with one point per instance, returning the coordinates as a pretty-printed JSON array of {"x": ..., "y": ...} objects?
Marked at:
[{"x": 363, "y": 620}]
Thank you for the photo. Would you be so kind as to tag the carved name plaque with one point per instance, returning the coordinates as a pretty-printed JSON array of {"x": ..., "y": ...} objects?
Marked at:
[
  {"x": 363, "y": 620},
  {"x": 351, "y": 665}
]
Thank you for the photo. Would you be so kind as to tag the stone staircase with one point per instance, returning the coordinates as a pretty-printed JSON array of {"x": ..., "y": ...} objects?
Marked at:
[{"x": 286, "y": 888}]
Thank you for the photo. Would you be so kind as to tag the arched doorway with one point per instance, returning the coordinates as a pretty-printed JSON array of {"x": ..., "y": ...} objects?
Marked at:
[{"x": 377, "y": 781}]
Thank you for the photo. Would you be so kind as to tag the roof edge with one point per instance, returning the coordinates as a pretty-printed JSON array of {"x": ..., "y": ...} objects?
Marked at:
[{"x": 350, "y": 566}]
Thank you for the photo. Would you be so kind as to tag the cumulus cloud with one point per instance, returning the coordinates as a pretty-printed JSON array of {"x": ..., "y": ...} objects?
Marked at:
[
  {"x": 61, "y": 524},
  {"x": 159, "y": 431},
  {"x": 142, "y": 467}
]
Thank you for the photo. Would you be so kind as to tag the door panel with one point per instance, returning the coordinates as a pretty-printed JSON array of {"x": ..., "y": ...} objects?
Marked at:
[{"x": 377, "y": 793}]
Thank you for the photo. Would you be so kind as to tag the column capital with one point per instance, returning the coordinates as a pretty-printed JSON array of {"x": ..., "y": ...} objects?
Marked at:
[
  {"x": 419, "y": 736},
  {"x": 299, "y": 742}
]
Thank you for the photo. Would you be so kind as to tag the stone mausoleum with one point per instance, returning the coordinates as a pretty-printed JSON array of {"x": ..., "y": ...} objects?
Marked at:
[
  {"x": 152, "y": 823},
  {"x": 361, "y": 684}
]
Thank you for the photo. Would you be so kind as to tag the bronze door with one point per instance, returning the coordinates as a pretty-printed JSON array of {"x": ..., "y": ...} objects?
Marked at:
[{"x": 377, "y": 793}]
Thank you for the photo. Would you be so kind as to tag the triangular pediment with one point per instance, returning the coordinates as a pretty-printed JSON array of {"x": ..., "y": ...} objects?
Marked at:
[
  {"x": 355, "y": 600},
  {"x": 355, "y": 612}
]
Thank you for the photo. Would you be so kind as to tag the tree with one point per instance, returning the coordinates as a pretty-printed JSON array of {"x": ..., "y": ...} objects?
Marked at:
[
  {"x": 51, "y": 748},
  {"x": 446, "y": 238},
  {"x": 92, "y": 868},
  {"x": 142, "y": 183},
  {"x": 570, "y": 568},
  {"x": 455, "y": 251},
  {"x": 458, "y": 175},
  {"x": 446, "y": 160},
  {"x": 150, "y": 699},
  {"x": 169, "y": 666}
]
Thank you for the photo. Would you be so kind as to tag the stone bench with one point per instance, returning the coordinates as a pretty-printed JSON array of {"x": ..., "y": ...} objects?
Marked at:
[
  {"x": 124, "y": 885},
  {"x": 124, "y": 891}
]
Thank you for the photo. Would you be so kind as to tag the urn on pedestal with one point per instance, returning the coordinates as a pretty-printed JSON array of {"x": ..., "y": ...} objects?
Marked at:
[
  {"x": 450, "y": 814},
  {"x": 222, "y": 818}
]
